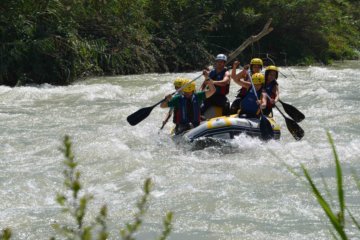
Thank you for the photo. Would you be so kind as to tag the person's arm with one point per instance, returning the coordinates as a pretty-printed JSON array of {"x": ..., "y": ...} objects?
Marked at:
[
  {"x": 263, "y": 100},
  {"x": 277, "y": 93},
  {"x": 211, "y": 90},
  {"x": 243, "y": 83},
  {"x": 206, "y": 76},
  {"x": 233, "y": 71},
  {"x": 241, "y": 75},
  {"x": 164, "y": 104}
]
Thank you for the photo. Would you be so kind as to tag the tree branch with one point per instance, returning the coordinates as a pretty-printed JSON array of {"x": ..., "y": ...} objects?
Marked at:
[{"x": 266, "y": 30}]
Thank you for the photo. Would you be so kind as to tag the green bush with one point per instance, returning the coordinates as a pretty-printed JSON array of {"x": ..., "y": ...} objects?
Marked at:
[{"x": 58, "y": 41}]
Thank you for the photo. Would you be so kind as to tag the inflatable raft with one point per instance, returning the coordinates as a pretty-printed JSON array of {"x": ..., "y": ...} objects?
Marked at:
[{"x": 227, "y": 127}]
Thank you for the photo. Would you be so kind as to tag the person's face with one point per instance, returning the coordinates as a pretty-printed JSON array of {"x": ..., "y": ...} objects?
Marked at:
[
  {"x": 220, "y": 64},
  {"x": 256, "y": 68},
  {"x": 271, "y": 76},
  {"x": 257, "y": 86},
  {"x": 187, "y": 94}
]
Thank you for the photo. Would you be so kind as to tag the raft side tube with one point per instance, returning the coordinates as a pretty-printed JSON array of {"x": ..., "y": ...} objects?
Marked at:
[{"x": 227, "y": 127}]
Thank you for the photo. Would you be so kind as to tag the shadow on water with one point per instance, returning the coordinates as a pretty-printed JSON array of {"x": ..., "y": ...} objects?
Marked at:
[{"x": 213, "y": 145}]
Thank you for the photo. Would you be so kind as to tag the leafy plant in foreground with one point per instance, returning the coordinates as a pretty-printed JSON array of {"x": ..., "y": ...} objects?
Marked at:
[
  {"x": 75, "y": 203},
  {"x": 337, "y": 219},
  {"x": 5, "y": 234}
]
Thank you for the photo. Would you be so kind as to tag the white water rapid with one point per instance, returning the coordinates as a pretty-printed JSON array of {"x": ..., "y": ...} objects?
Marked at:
[{"x": 242, "y": 191}]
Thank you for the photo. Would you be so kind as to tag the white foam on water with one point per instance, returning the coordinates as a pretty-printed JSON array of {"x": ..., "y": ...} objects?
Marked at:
[{"x": 242, "y": 190}]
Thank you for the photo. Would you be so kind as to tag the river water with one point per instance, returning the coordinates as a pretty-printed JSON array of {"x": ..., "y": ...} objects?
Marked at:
[{"x": 242, "y": 191}]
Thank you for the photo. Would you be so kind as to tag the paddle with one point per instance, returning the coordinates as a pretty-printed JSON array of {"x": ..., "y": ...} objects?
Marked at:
[
  {"x": 142, "y": 113},
  {"x": 293, "y": 127},
  {"x": 266, "y": 130},
  {"x": 293, "y": 112},
  {"x": 167, "y": 118}
]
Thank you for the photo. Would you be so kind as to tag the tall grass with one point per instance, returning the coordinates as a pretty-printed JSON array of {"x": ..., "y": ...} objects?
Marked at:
[{"x": 335, "y": 216}]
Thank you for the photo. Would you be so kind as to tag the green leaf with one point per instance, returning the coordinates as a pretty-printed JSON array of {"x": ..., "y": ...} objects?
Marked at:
[
  {"x": 325, "y": 206},
  {"x": 353, "y": 219},
  {"x": 339, "y": 181}
]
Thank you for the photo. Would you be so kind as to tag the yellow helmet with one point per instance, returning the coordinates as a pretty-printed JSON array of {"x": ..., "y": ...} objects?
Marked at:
[
  {"x": 256, "y": 61},
  {"x": 179, "y": 82},
  {"x": 190, "y": 87},
  {"x": 258, "y": 78},
  {"x": 272, "y": 67}
]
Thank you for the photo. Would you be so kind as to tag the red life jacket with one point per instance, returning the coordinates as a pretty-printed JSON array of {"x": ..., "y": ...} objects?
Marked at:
[{"x": 269, "y": 90}]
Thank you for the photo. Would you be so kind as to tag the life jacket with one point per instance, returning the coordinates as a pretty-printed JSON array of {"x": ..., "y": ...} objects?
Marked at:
[
  {"x": 188, "y": 111},
  {"x": 269, "y": 90},
  {"x": 248, "y": 102},
  {"x": 221, "y": 90},
  {"x": 176, "y": 111}
]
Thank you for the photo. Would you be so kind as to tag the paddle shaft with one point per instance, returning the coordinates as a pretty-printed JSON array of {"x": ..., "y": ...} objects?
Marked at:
[
  {"x": 278, "y": 108},
  {"x": 167, "y": 118},
  {"x": 254, "y": 89},
  {"x": 265, "y": 126}
]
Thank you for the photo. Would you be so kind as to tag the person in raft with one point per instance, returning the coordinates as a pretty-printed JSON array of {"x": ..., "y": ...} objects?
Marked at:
[
  {"x": 271, "y": 88},
  {"x": 178, "y": 83},
  {"x": 188, "y": 103},
  {"x": 221, "y": 78},
  {"x": 256, "y": 65},
  {"x": 250, "y": 105}
]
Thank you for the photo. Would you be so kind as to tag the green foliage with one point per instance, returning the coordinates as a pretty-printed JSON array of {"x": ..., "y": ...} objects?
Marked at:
[
  {"x": 58, "y": 41},
  {"x": 337, "y": 219},
  {"x": 167, "y": 226},
  {"x": 307, "y": 31},
  {"x": 75, "y": 203},
  {"x": 5, "y": 234}
]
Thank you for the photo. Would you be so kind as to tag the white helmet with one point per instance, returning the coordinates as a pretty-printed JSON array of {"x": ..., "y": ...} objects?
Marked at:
[{"x": 221, "y": 57}]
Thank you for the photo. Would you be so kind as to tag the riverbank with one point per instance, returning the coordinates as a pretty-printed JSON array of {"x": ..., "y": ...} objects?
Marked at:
[{"x": 58, "y": 42}]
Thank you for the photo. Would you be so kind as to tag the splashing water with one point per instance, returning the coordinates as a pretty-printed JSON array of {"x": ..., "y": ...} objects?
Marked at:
[{"x": 242, "y": 190}]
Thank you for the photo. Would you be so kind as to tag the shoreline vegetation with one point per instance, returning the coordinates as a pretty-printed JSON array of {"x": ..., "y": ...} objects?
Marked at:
[{"x": 60, "y": 41}]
